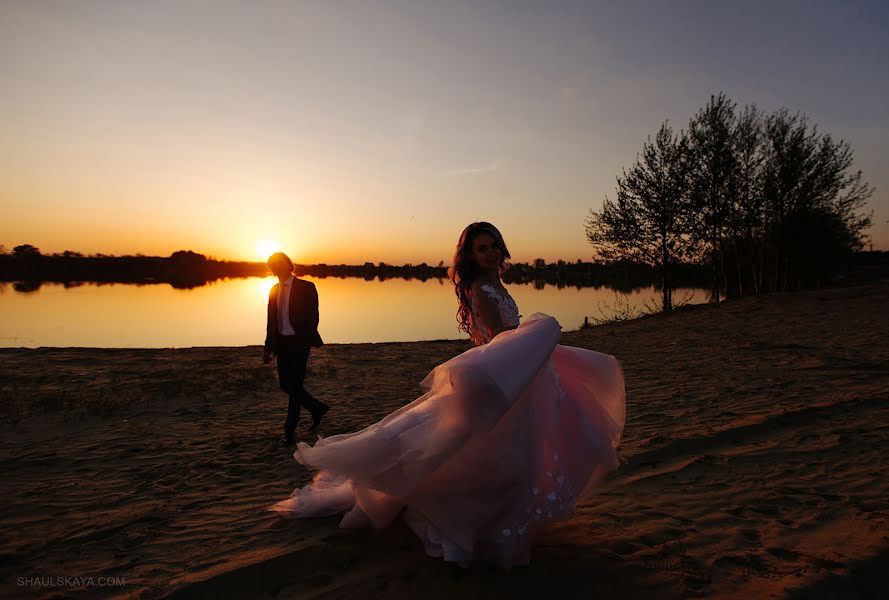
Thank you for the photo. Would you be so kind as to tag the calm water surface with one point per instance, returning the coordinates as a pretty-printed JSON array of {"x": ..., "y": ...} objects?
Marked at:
[{"x": 232, "y": 312}]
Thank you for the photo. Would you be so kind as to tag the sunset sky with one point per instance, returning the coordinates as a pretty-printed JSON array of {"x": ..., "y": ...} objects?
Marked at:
[{"x": 372, "y": 130}]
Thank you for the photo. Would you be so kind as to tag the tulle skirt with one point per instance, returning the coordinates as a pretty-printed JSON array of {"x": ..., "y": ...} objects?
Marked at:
[{"x": 508, "y": 436}]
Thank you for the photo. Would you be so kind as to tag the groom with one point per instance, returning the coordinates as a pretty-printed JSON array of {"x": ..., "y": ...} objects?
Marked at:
[{"x": 291, "y": 331}]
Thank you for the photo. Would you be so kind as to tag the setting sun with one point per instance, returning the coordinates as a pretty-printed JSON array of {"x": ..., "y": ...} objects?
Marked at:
[{"x": 266, "y": 248}]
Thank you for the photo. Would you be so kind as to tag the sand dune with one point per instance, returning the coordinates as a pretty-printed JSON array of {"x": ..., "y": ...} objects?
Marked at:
[{"x": 754, "y": 465}]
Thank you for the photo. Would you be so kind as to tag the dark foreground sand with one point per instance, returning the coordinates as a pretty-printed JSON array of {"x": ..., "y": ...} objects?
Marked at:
[{"x": 755, "y": 464}]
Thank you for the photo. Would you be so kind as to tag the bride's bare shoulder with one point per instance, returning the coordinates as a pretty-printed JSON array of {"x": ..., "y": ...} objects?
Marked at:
[{"x": 478, "y": 286}]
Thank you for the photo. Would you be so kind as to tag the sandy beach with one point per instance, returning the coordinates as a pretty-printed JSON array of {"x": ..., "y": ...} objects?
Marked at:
[{"x": 754, "y": 465}]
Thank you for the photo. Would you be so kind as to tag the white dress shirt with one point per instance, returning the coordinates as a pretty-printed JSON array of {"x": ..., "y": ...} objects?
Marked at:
[{"x": 284, "y": 326}]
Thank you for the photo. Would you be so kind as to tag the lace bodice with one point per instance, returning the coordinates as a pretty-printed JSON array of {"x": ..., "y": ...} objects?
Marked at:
[{"x": 509, "y": 313}]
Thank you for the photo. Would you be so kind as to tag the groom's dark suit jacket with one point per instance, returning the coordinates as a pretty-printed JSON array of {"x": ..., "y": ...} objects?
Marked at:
[{"x": 303, "y": 315}]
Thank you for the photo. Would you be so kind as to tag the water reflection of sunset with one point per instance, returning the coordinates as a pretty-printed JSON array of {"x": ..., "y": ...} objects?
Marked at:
[
  {"x": 232, "y": 312},
  {"x": 265, "y": 286}
]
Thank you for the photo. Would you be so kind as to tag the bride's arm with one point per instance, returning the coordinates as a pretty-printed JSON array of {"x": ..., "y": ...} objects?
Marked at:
[{"x": 488, "y": 310}]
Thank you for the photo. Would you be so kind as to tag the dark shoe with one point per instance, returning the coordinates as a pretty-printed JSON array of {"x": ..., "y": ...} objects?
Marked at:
[
  {"x": 316, "y": 418},
  {"x": 288, "y": 440}
]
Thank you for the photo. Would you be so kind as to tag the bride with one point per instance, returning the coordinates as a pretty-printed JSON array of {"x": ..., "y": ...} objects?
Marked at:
[{"x": 508, "y": 436}]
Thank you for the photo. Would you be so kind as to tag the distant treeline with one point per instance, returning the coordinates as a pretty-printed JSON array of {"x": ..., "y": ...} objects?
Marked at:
[
  {"x": 184, "y": 269},
  {"x": 624, "y": 276},
  {"x": 187, "y": 269}
]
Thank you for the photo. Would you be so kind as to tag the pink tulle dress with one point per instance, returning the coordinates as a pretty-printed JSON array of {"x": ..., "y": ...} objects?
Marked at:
[{"x": 508, "y": 436}]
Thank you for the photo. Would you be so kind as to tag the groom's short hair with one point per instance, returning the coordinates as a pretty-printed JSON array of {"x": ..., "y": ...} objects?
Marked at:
[{"x": 280, "y": 257}]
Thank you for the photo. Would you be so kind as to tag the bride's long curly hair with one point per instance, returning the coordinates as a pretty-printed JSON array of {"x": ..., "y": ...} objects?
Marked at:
[{"x": 464, "y": 269}]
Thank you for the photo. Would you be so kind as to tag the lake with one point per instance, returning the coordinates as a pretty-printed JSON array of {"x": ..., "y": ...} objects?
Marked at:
[{"x": 232, "y": 312}]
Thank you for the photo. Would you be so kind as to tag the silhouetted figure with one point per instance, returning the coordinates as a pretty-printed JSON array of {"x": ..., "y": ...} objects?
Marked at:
[{"x": 291, "y": 332}]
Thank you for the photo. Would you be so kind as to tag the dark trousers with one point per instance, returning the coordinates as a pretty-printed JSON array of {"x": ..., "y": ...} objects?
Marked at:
[{"x": 292, "y": 359}]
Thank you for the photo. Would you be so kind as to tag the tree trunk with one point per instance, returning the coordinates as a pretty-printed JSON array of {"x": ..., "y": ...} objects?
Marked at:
[
  {"x": 667, "y": 304},
  {"x": 714, "y": 296},
  {"x": 739, "y": 271}
]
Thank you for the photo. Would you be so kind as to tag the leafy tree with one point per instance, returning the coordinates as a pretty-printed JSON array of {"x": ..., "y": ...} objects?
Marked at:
[
  {"x": 813, "y": 202},
  {"x": 712, "y": 172},
  {"x": 747, "y": 217},
  {"x": 767, "y": 201},
  {"x": 649, "y": 221},
  {"x": 25, "y": 251}
]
